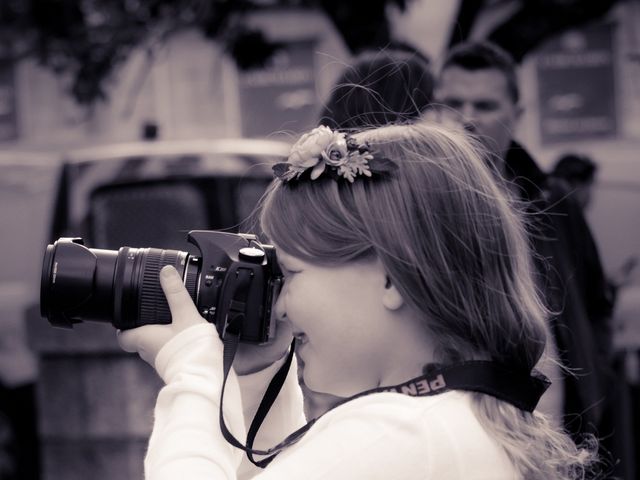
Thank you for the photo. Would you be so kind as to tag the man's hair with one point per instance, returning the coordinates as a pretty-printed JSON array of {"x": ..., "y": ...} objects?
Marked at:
[
  {"x": 482, "y": 56},
  {"x": 575, "y": 168}
]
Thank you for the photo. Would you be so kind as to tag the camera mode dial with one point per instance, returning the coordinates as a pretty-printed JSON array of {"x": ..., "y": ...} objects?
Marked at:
[{"x": 251, "y": 255}]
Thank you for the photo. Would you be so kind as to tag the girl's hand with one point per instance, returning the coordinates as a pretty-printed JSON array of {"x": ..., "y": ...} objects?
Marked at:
[
  {"x": 253, "y": 358},
  {"x": 149, "y": 339}
]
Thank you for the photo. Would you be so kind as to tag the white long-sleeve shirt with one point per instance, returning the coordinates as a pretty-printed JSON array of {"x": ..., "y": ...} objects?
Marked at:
[{"x": 379, "y": 436}]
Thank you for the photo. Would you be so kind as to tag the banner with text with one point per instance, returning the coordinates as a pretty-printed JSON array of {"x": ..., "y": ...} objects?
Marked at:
[{"x": 576, "y": 86}]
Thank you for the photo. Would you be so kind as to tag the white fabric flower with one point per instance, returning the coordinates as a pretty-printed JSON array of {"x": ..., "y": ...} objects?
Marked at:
[{"x": 308, "y": 150}]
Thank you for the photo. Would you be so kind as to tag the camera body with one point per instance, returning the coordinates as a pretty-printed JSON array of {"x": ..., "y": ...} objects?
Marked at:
[{"x": 234, "y": 283}]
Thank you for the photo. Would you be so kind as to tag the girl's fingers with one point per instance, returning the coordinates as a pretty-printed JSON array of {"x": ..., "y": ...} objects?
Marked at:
[
  {"x": 128, "y": 340},
  {"x": 178, "y": 298},
  {"x": 148, "y": 340}
]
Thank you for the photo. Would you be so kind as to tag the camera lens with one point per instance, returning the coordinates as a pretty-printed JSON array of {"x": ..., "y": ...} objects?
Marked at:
[{"x": 120, "y": 287}]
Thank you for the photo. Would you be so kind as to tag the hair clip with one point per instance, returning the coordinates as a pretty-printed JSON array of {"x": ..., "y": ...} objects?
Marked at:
[{"x": 323, "y": 150}]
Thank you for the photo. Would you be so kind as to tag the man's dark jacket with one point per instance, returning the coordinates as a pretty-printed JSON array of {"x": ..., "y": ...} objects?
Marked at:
[{"x": 573, "y": 285}]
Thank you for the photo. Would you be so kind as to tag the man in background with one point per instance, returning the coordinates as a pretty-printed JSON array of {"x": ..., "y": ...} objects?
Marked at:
[{"x": 478, "y": 89}]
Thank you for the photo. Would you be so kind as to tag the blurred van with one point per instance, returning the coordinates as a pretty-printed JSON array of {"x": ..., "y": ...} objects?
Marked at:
[{"x": 94, "y": 401}]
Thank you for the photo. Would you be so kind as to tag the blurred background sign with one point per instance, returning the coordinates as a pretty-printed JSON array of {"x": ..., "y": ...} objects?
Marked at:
[
  {"x": 281, "y": 97},
  {"x": 576, "y": 88}
]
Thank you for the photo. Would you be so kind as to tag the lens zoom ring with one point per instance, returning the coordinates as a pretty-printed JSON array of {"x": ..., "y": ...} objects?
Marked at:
[{"x": 153, "y": 304}]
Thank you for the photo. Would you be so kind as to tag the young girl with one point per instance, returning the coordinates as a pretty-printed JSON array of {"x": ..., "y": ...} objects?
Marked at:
[{"x": 407, "y": 276}]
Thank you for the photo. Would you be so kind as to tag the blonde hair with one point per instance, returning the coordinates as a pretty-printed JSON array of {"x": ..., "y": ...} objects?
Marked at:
[{"x": 455, "y": 248}]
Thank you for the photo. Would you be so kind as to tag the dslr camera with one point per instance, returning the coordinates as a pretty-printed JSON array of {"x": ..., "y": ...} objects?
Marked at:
[{"x": 234, "y": 282}]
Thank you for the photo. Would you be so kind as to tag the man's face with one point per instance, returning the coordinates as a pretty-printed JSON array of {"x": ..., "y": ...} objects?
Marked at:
[{"x": 480, "y": 101}]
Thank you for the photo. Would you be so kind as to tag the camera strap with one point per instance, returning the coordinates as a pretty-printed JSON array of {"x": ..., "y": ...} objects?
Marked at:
[
  {"x": 517, "y": 387},
  {"x": 230, "y": 347}
]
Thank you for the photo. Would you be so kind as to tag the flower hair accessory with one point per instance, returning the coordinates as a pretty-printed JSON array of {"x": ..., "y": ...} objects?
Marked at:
[{"x": 323, "y": 150}]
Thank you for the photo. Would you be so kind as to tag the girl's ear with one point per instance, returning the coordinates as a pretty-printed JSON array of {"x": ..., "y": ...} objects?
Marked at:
[{"x": 391, "y": 297}]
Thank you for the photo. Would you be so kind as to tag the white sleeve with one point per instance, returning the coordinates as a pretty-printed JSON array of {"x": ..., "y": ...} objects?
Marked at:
[{"x": 186, "y": 441}]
